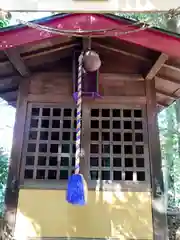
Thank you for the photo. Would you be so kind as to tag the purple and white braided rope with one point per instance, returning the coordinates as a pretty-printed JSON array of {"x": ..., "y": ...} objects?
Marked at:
[{"x": 78, "y": 116}]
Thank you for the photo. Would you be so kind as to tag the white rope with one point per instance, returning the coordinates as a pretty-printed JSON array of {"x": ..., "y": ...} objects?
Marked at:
[{"x": 78, "y": 115}]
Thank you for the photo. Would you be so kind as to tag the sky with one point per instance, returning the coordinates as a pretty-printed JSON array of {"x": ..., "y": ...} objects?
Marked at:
[
  {"x": 28, "y": 16},
  {"x": 7, "y": 118}
]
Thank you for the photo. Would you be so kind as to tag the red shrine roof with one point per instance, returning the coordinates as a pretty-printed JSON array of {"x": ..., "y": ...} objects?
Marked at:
[
  {"x": 155, "y": 39},
  {"x": 25, "y": 50}
]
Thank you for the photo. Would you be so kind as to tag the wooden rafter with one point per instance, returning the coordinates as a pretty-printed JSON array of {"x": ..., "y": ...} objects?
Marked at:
[
  {"x": 162, "y": 78},
  {"x": 121, "y": 51},
  {"x": 17, "y": 62},
  {"x": 45, "y": 51},
  {"x": 172, "y": 67},
  {"x": 41, "y": 52},
  {"x": 157, "y": 66},
  {"x": 170, "y": 95}
]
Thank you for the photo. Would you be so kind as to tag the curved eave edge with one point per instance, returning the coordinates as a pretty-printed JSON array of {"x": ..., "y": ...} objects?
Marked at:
[
  {"x": 127, "y": 20},
  {"x": 40, "y": 21},
  {"x": 154, "y": 38},
  {"x": 61, "y": 15}
]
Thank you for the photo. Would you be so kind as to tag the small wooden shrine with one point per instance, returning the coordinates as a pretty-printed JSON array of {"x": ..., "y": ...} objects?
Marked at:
[{"x": 121, "y": 160}]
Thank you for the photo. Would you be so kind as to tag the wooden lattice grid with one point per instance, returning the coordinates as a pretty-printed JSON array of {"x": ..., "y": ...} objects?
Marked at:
[
  {"x": 117, "y": 144},
  {"x": 49, "y": 146}
]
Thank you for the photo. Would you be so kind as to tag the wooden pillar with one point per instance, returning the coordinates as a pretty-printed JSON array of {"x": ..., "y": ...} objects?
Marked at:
[
  {"x": 158, "y": 204},
  {"x": 12, "y": 189}
]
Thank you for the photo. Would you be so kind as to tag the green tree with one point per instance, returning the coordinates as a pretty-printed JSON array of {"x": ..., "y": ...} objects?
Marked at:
[
  {"x": 4, "y": 19},
  {"x": 169, "y": 124},
  {"x": 3, "y": 177},
  {"x": 155, "y": 19},
  {"x": 167, "y": 21}
]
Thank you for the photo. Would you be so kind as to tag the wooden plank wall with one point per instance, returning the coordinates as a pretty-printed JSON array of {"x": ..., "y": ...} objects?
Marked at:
[
  {"x": 59, "y": 85},
  {"x": 51, "y": 83}
]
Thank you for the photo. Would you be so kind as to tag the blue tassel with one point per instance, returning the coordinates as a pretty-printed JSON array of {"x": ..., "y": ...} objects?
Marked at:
[{"x": 76, "y": 190}]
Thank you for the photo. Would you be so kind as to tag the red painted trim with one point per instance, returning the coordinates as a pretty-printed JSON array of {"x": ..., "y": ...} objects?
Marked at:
[{"x": 150, "y": 38}]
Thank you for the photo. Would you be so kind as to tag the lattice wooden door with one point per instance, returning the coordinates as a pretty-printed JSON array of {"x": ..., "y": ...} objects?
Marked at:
[
  {"x": 116, "y": 146},
  {"x": 48, "y": 152}
]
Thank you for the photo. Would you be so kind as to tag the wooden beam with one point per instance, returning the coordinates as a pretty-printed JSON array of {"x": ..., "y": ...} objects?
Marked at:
[
  {"x": 86, "y": 43},
  {"x": 113, "y": 78},
  {"x": 106, "y": 77},
  {"x": 167, "y": 79},
  {"x": 121, "y": 52},
  {"x": 157, "y": 66},
  {"x": 159, "y": 219},
  {"x": 13, "y": 181},
  {"x": 132, "y": 100},
  {"x": 17, "y": 62},
  {"x": 170, "y": 95},
  {"x": 172, "y": 67},
  {"x": 45, "y": 51},
  {"x": 129, "y": 100}
]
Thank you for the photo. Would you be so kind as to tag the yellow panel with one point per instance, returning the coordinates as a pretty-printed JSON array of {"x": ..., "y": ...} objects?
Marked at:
[{"x": 46, "y": 213}]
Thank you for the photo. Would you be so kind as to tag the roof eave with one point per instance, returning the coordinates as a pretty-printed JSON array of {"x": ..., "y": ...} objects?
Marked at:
[{"x": 153, "y": 38}]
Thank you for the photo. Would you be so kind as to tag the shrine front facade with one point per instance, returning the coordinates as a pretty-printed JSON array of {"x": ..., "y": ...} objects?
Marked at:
[{"x": 121, "y": 158}]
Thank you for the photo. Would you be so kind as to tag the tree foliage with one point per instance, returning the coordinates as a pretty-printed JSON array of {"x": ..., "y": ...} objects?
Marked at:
[
  {"x": 155, "y": 19},
  {"x": 3, "y": 177},
  {"x": 169, "y": 124},
  {"x": 4, "y": 19}
]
